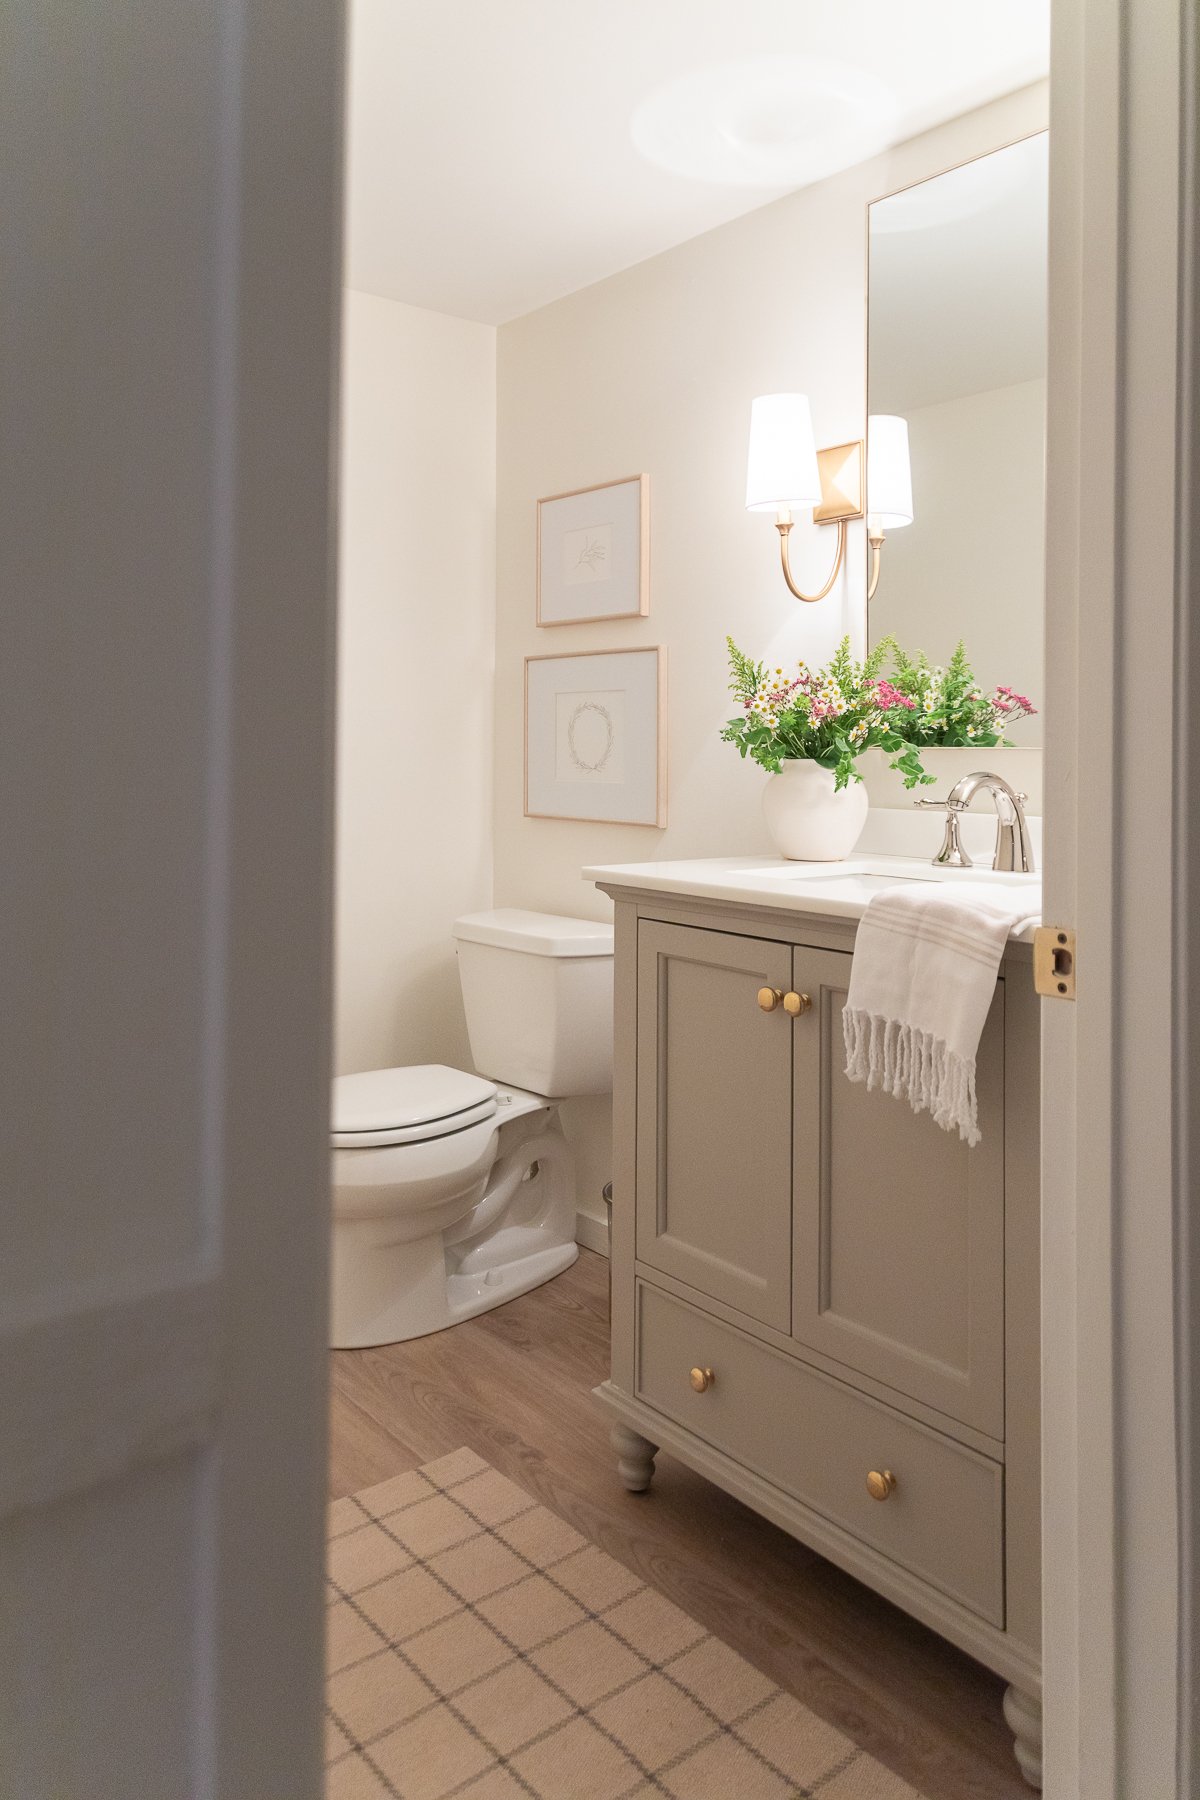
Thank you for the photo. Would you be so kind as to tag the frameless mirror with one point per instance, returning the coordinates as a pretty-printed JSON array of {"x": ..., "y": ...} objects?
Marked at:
[{"x": 956, "y": 346}]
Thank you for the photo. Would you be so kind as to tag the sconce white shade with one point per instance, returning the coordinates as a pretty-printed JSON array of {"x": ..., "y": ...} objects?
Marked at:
[
  {"x": 889, "y": 476},
  {"x": 781, "y": 471}
]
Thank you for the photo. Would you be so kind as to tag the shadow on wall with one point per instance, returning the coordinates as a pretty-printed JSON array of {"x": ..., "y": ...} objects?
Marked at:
[
  {"x": 587, "y": 1126},
  {"x": 429, "y": 1018},
  {"x": 406, "y": 1011}
]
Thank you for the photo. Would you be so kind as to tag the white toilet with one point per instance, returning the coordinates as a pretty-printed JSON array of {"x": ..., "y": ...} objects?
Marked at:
[{"x": 453, "y": 1192}]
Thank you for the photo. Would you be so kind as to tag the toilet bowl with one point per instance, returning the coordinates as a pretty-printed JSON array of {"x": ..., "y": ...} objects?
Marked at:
[{"x": 454, "y": 1192}]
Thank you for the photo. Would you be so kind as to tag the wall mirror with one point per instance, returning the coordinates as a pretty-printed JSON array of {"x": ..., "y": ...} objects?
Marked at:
[{"x": 956, "y": 346}]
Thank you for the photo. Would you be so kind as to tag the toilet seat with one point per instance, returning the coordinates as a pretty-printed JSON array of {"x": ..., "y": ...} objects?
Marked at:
[{"x": 413, "y": 1105}]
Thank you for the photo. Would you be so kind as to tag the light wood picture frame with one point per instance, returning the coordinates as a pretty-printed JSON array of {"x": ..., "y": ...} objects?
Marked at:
[
  {"x": 595, "y": 736},
  {"x": 593, "y": 553}
]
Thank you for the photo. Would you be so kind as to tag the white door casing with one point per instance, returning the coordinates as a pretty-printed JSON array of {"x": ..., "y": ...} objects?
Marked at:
[
  {"x": 1120, "y": 725},
  {"x": 172, "y": 201}
]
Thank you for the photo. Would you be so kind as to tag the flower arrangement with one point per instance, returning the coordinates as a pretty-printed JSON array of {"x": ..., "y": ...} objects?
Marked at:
[
  {"x": 948, "y": 706},
  {"x": 828, "y": 716}
]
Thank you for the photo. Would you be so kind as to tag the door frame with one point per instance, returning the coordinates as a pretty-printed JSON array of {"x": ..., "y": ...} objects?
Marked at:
[{"x": 1122, "y": 867}]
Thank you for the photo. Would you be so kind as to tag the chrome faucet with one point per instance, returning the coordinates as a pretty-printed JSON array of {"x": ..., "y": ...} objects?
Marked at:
[{"x": 1013, "y": 848}]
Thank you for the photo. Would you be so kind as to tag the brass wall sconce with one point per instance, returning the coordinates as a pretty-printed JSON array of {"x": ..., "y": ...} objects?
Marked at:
[{"x": 785, "y": 470}]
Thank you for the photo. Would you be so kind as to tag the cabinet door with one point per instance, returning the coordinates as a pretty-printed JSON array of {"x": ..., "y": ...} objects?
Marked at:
[
  {"x": 714, "y": 1151},
  {"x": 899, "y": 1242}
]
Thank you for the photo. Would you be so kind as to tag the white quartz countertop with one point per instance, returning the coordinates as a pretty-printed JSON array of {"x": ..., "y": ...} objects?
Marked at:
[{"x": 834, "y": 890}]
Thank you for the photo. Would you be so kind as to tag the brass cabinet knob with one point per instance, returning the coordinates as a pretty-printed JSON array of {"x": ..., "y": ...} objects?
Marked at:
[
  {"x": 881, "y": 1484},
  {"x": 702, "y": 1380},
  {"x": 769, "y": 998},
  {"x": 796, "y": 1004}
]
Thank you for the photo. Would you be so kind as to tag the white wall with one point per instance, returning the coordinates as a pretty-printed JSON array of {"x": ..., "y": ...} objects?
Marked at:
[
  {"x": 654, "y": 370},
  {"x": 415, "y": 681}
]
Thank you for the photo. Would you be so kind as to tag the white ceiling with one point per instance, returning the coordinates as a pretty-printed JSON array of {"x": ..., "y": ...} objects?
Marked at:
[{"x": 491, "y": 167}]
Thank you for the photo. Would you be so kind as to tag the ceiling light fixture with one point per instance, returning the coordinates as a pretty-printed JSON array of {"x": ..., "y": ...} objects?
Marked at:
[{"x": 769, "y": 121}]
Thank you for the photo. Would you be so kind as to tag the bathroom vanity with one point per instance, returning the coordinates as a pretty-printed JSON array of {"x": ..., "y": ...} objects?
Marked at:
[{"x": 821, "y": 1301}]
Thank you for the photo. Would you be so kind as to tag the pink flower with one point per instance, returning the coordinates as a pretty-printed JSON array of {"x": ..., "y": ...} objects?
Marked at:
[
  {"x": 1006, "y": 700},
  {"x": 886, "y": 696}
]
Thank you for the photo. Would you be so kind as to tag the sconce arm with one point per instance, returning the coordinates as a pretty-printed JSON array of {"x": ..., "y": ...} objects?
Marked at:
[
  {"x": 875, "y": 539},
  {"x": 783, "y": 526}
]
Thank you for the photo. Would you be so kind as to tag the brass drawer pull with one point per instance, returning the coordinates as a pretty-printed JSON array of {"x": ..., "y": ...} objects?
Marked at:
[
  {"x": 702, "y": 1380},
  {"x": 881, "y": 1484},
  {"x": 769, "y": 998}
]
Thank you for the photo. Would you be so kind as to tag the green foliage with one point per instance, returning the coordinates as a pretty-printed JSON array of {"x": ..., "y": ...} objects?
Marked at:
[
  {"x": 832, "y": 715},
  {"x": 949, "y": 706},
  {"x": 829, "y": 716},
  {"x": 745, "y": 676}
]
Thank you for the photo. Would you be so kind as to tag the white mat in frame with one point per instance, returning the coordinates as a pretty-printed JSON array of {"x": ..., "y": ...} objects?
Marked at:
[
  {"x": 595, "y": 744},
  {"x": 593, "y": 553}
]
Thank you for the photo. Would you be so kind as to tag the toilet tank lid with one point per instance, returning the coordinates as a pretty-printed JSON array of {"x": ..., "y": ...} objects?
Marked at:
[
  {"x": 537, "y": 933},
  {"x": 385, "y": 1099}
]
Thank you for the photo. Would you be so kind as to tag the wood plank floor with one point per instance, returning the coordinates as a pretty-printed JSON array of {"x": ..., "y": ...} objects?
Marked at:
[{"x": 514, "y": 1385}]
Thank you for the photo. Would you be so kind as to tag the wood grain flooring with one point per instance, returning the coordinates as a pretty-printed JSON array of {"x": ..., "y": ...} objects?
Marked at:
[{"x": 514, "y": 1385}]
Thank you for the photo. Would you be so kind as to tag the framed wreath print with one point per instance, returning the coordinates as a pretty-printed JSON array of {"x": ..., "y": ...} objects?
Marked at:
[
  {"x": 593, "y": 553},
  {"x": 594, "y": 736}
]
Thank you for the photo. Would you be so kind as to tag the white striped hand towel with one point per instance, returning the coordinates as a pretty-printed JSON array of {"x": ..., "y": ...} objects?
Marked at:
[{"x": 924, "y": 971}]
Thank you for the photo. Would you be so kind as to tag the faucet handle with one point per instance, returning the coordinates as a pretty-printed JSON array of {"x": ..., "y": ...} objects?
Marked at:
[{"x": 951, "y": 855}]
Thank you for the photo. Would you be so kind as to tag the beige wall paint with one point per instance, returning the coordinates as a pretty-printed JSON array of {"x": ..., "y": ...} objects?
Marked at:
[
  {"x": 416, "y": 630},
  {"x": 654, "y": 369}
]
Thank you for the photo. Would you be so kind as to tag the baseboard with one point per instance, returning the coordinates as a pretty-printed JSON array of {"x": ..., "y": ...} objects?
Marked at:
[{"x": 592, "y": 1233}]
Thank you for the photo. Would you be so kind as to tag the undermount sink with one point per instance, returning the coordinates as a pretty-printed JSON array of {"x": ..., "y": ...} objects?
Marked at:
[{"x": 877, "y": 871}]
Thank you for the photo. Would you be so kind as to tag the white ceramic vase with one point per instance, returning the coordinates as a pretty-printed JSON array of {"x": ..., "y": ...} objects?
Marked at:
[{"x": 808, "y": 819}]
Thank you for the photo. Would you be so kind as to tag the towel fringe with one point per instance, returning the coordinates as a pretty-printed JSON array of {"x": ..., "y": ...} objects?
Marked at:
[{"x": 915, "y": 1066}]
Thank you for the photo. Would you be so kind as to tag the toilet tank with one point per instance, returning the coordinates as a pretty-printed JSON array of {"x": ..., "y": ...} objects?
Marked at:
[{"x": 538, "y": 994}]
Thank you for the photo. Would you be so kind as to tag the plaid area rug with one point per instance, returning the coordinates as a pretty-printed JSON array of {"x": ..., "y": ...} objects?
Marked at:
[{"x": 480, "y": 1648}]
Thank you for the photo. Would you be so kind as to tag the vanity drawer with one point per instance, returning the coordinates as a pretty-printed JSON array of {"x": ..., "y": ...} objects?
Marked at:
[{"x": 818, "y": 1439}]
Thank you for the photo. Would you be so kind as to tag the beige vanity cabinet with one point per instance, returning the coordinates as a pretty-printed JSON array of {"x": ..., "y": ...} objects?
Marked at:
[
  {"x": 714, "y": 1112},
  {"x": 821, "y": 1300}
]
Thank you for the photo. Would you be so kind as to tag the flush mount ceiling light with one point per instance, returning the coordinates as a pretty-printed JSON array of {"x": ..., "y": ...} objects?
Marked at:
[{"x": 765, "y": 121}]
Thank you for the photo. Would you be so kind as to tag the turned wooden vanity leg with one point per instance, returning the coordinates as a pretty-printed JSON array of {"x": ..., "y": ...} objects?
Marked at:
[
  {"x": 1024, "y": 1716},
  {"x": 635, "y": 1458}
]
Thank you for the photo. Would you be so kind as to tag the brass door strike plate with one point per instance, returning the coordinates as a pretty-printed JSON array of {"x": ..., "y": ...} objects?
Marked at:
[{"x": 1054, "y": 962}]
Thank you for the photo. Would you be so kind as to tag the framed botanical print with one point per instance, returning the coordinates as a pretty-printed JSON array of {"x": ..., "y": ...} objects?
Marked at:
[
  {"x": 594, "y": 736},
  {"x": 593, "y": 553}
]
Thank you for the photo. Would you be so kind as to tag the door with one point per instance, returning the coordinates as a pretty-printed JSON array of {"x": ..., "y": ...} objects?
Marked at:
[
  {"x": 168, "y": 342},
  {"x": 714, "y": 1152},
  {"x": 1120, "y": 1322},
  {"x": 899, "y": 1227}
]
